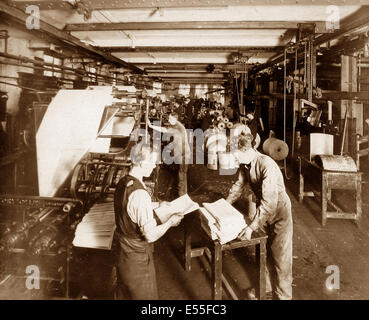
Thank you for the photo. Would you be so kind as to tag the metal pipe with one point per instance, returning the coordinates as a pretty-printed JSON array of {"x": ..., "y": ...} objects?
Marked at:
[
  {"x": 47, "y": 69},
  {"x": 16, "y": 85},
  {"x": 52, "y": 65}
]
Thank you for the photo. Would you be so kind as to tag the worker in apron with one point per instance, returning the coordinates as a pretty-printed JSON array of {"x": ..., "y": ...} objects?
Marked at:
[
  {"x": 178, "y": 151},
  {"x": 137, "y": 230},
  {"x": 273, "y": 213}
]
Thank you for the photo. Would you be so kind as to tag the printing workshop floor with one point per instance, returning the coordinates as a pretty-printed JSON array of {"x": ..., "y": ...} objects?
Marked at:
[{"x": 339, "y": 243}]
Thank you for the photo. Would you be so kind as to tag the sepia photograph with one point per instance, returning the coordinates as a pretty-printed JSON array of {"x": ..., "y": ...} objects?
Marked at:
[{"x": 184, "y": 154}]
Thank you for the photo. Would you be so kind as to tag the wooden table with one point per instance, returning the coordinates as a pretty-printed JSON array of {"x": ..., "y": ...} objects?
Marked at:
[
  {"x": 192, "y": 224},
  {"x": 332, "y": 180}
]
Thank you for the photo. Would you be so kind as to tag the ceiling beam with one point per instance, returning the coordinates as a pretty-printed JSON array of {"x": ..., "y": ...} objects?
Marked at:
[
  {"x": 195, "y": 80},
  {"x": 164, "y": 75},
  {"x": 192, "y": 49},
  {"x": 191, "y": 25},
  {"x": 60, "y": 35},
  {"x": 188, "y": 68},
  {"x": 349, "y": 24},
  {"x": 352, "y": 22},
  {"x": 346, "y": 47},
  {"x": 113, "y": 4}
]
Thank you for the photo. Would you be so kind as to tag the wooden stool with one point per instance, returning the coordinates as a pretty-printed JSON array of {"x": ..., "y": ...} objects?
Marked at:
[{"x": 259, "y": 240}]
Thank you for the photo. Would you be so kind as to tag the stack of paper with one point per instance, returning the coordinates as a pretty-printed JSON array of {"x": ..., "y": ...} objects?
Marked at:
[
  {"x": 96, "y": 230},
  {"x": 183, "y": 204},
  {"x": 222, "y": 221}
]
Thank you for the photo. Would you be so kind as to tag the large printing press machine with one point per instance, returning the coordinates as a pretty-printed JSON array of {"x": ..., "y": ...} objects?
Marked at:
[{"x": 83, "y": 143}]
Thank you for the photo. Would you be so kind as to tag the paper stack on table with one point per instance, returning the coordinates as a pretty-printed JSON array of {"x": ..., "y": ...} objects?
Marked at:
[
  {"x": 96, "y": 230},
  {"x": 183, "y": 204},
  {"x": 221, "y": 221}
]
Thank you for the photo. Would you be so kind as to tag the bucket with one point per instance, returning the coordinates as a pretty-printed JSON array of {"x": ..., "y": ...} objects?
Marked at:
[
  {"x": 212, "y": 161},
  {"x": 227, "y": 160}
]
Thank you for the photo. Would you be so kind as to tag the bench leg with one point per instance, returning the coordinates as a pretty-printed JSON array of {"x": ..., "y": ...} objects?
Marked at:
[
  {"x": 261, "y": 265},
  {"x": 216, "y": 264},
  {"x": 324, "y": 199},
  {"x": 187, "y": 240},
  {"x": 358, "y": 201}
]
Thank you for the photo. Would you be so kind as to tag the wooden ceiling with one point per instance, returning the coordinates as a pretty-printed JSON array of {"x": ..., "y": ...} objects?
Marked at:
[{"x": 178, "y": 39}]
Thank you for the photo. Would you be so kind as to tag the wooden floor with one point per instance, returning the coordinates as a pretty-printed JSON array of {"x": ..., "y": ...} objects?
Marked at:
[{"x": 339, "y": 243}]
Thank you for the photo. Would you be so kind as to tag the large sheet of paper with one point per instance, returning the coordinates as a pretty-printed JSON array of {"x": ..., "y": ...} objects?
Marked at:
[
  {"x": 96, "y": 230},
  {"x": 224, "y": 212},
  {"x": 320, "y": 143},
  {"x": 183, "y": 204},
  {"x": 67, "y": 132},
  {"x": 221, "y": 221}
]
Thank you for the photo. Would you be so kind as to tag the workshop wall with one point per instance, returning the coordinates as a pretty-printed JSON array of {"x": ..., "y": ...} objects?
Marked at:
[{"x": 18, "y": 44}]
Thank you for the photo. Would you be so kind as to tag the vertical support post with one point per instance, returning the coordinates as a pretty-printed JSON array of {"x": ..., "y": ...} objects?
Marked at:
[
  {"x": 301, "y": 184},
  {"x": 357, "y": 153},
  {"x": 15, "y": 176},
  {"x": 242, "y": 84},
  {"x": 313, "y": 64},
  {"x": 147, "y": 118},
  {"x": 349, "y": 83},
  {"x": 301, "y": 191}
]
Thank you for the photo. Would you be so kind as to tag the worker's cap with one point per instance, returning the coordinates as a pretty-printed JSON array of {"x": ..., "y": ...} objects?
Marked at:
[{"x": 245, "y": 141}]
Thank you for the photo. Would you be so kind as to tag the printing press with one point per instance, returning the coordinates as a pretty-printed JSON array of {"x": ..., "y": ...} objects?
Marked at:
[{"x": 82, "y": 143}]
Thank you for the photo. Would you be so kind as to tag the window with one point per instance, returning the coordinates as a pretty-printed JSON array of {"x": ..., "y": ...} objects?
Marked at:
[{"x": 52, "y": 72}]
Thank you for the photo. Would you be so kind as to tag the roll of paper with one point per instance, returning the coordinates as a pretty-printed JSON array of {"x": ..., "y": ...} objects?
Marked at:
[
  {"x": 275, "y": 148},
  {"x": 221, "y": 125},
  {"x": 240, "y": 128},
  {"x": 229, "y": 125}
]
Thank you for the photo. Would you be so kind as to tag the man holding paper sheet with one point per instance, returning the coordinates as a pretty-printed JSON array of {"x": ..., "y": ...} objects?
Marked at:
[
  {"x": 181, "y": 149},
  {"x": 273, "y": 213},
  {"x": 137, "y": 229}
]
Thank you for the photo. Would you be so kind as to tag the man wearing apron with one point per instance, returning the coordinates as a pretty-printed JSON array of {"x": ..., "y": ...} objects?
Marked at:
[{"x": 136, "y": 230}]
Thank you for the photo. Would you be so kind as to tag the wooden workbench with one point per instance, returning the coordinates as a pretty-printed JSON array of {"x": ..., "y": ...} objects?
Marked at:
[
  {"x": 192, "y": 224},
  {"x": 332, "y": 180}
]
